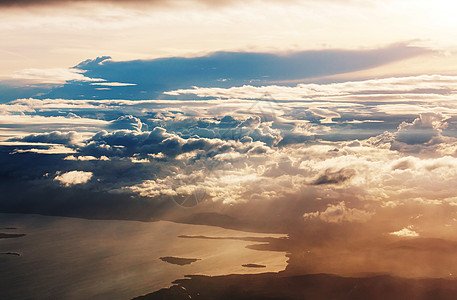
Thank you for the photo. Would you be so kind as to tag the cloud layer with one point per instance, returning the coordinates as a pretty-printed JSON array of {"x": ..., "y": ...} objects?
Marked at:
[{"x": 311, "y": 156}]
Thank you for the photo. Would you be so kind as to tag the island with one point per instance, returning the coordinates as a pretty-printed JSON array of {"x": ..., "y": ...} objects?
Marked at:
[
  {"x": 178, "y": 260},
  {"x": 313, "y": 286},
  {"x": 10, "y": 235},
  {"x": 253, "y": 266},
  {"x": 11, "y": 253}
]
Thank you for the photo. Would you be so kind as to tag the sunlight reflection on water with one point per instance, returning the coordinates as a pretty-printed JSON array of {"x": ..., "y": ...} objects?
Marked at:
[{"x": 96, "y": 259}]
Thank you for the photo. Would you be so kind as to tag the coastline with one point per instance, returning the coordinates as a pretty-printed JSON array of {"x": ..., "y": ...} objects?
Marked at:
[{"x": 312, "y": 286}]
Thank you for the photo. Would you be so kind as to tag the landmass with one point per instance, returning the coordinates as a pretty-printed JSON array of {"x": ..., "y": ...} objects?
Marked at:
[
  {"x": 11, "y": 253},
  {"x": 10, "y": 235},
  {"x": 253, "y": 266},
  {"x": 178, "y": 260},
  {"x": 248, "y": 239},
  {"x": 315, "y": 286}
]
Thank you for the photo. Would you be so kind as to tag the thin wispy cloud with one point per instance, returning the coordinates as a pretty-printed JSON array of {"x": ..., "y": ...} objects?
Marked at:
[{"x": 56, "y": 76}]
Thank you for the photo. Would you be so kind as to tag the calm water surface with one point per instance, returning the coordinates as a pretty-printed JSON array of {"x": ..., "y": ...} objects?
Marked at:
[{"x": 69, "y": 258}]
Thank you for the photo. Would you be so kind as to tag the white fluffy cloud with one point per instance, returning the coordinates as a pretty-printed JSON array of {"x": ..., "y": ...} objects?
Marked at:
[
  {"x": 338, "y": 213},
  {"x": 53, "y": 76},
  {"x": 73, "y": 177},
  {"x": 405, "y": 232},
  {"x": 415, "y": 87}
]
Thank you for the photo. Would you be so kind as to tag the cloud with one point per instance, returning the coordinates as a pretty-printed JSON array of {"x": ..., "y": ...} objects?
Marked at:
[
  {"x": 84, "y": 158},
  {"x": 173, "y": 3},
  {"x": 337, "y": 177},
  {"x": 37, "y": 119},
  {"x": 405, "y": 232},
  {"x": 60, "y": 2},
  {"x": 54, "y": 137},
  {"x": 46, "y": 150},
  {"x": 73, "y": 177},
  {"x": 127, "y": 143},
  {"x": 340, "y": 213},
  {"x": 46, "y": 129},
  {"x": 54, "y": 76},
  {"x": 113, "y": 84},
  {"x": 428, "y": 134},
  {"x": 422, "y": 129},
  {"x": 104, "y": 78},
  {"x": 413, "y": 88},
  {"x": 278, "y": 157},
  {"x": 128, "y": 122}
]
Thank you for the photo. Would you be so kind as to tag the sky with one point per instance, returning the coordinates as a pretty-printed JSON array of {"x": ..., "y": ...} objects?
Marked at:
[
  {"x": 60, "y": 34},
  {"x": 326, "y": 120}
]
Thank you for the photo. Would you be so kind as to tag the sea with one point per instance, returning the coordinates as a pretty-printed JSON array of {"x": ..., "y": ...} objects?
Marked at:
[{"x": 72, "y": 258}]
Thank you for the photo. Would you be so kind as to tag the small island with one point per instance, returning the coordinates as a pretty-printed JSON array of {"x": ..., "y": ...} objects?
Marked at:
[
  {"x": 253, "y": 266},
  {"x": 10, "y": 253},
  {"x": 10, "y": 235},
  {"x": 178, "y": 260}
]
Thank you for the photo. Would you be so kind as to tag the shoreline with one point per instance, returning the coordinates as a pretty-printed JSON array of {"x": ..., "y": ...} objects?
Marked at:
[{"x": 310, "y": 286}]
